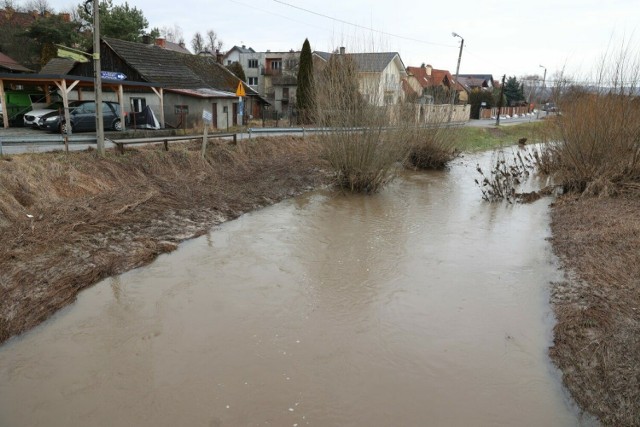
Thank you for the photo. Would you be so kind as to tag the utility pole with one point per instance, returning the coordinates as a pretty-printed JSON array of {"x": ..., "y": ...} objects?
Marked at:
[
  {"x": 544, "y": 79},
  {"x": 453, "y": 88},
  {"x": 98, "y": 77},
  {"x": 500, "y": 100}
]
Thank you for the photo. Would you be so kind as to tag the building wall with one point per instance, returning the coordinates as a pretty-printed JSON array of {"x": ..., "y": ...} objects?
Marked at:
[{"x": 383, "y": 88}]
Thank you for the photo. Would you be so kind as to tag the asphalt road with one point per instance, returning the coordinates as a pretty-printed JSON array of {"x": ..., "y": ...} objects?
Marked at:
[{"x": 35, "y": 148}]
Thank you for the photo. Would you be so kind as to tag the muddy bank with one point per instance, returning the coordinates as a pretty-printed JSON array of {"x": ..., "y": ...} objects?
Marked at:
[
  {"x": 597, "y": 337},
  {"x": 69, "y": 220}
]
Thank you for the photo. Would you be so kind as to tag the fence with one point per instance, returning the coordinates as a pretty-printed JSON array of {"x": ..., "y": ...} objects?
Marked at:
[{"x": 487, "y": 113}]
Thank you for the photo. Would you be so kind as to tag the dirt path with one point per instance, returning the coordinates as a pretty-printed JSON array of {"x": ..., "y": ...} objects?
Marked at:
[
  {"x": 597, "y": 337},
  {"x": 69, "y": 220}
]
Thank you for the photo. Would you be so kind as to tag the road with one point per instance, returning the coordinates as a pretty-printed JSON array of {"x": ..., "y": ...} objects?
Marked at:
[{"x": 35, "y": 148}]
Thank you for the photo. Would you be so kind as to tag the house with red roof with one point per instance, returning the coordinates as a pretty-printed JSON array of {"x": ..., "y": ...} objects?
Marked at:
[{"x": 428, "y": 85}]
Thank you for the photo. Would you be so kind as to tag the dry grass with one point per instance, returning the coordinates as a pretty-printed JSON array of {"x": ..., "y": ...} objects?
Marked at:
[
  {"x": 433, "y": 147},
  {"x": 93, "y": 218},
  {"x": 597, "y": 335},
  {"x": 598, "y": 152}
]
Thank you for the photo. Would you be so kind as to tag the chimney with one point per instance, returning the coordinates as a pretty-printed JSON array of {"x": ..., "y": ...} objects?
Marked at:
[
  {"x": 66, "y": 17},
  {"x": 162, "y": 42},
  {"x": 429, "y": 68},
  {"x": 146, "y": 39},
  {"x": 219, "y": 56},
  {"x": 342, "y": 50},
  {"x": 181, "y": 44}
]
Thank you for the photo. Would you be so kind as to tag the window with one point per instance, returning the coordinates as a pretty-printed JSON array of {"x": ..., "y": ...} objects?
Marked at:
[
  {"x": 285, "y": 93},
  {"x": 229, "y": 62},
  {"x": 253, "y": 81},
  {"x": 181, "y": 109},
  {"x": 253, "y": 63},
  {"x": 276, "y": 65},
  {"x": 138, "y": 104}
]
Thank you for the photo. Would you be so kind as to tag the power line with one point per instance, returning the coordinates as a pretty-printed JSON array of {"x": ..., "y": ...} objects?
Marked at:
[{"x": 361, "y": 26}]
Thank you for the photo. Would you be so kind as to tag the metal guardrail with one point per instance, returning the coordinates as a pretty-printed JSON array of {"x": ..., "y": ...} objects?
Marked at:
[
  {"x": 53, "y": 139},
  {"x": 301, "y": 130},
  {"x": 304, "y": 130}
]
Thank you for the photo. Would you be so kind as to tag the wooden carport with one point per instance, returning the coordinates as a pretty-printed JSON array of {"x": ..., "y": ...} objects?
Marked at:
[{"x": 66, "y": 83}]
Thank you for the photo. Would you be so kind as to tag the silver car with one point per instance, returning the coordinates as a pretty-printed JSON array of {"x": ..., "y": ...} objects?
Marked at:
[{"x": 32, "y": 118}]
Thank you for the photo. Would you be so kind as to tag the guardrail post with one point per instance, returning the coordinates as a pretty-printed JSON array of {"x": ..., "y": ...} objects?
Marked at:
[
  {"x": 166, "y": 145},
  {"x": 0, "y": 147},
  {"x": 235, "y": 139},
  {"x": 304, "y": 134},
  {"x": 66, "y": 143},
  {"x": 250, "y": 131}
]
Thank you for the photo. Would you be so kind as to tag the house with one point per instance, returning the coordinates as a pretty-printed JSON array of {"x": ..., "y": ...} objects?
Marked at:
[
  {"x": 190, "y": 83},
  {"x": 477, "y": 81},
  {"x": 432, "y": 86},
  {"x": 273, "y": 75},
  {"x": 9, "y": 65},
  {"x": 380, "y": 75}
]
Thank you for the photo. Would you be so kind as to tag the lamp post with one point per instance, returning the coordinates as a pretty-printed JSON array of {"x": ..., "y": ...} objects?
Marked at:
[
  {"x": 544, "y": 78},
  {"x": 453, "y": 89}
]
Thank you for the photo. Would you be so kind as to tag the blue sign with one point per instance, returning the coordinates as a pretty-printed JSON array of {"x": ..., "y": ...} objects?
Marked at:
[{"x": 112, "y": 75}]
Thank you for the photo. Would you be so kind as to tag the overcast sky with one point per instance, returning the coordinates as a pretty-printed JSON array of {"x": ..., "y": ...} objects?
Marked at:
[{"x": 500, "y": 37}]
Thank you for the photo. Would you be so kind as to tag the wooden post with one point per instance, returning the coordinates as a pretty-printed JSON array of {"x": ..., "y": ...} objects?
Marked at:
[
  {"x": 204, "y": 140},
  {"x": 160, "y": 94},
  {"x": 121, "y": 102},
  {"x": 166, "y": 145},
  {"x": 3, "y": 99},
  {"x": 500, "y": 101}
]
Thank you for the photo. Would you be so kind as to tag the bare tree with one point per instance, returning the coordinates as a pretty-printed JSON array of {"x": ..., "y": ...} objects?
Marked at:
[
  {"x": 10, "y": 4},
  {"x": 213, "y": 43},
  {"x": 41, "y": 6},
  {"x": 197, "y": 43},
  {"x": 172, "y": 34}
]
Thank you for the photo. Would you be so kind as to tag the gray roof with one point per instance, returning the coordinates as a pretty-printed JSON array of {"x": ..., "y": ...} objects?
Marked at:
[
  {"x": 173, "y": 69},
  {"x": 367, "y": 62},
  {"x": 58, "y": 66},
  {"x": 176, "y": 47}
]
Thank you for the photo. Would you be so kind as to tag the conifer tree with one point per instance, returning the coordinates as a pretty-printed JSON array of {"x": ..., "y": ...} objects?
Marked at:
[{"x": 305, "y": 93}]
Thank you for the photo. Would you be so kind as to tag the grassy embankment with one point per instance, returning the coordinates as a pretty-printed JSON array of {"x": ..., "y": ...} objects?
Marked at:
[
  {"x": 68, "y": 220},
  {"x": 472, "y": 139}
]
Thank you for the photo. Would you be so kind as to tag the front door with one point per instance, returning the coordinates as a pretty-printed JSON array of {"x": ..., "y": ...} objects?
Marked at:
[
  {"x": 214, "y": 115},
  {"x": 235, "y": 113}
]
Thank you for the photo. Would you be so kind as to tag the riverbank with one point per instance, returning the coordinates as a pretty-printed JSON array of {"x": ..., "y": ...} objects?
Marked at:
[
  {"x": 597, "y": 335},
  {"x": 70, "y": 220}
]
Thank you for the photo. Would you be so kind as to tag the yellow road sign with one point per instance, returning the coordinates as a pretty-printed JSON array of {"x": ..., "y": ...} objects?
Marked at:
[
  {"x": 78, "y": 56},
  {"x": 240, "y": 90}
]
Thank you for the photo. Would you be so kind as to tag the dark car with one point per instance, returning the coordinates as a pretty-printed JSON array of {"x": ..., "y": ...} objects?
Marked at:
[{"x": 82, "y": 115}]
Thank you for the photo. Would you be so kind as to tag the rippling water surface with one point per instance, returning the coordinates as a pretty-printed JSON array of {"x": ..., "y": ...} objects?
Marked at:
[{"x": 418, "y": 306}]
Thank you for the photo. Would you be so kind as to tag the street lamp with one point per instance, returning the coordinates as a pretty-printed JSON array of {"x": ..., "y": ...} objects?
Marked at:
[
  {"x": 453, "y": 89},
  {"x": 544, "y": 78}
]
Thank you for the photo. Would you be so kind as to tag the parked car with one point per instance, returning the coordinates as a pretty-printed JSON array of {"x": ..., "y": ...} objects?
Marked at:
[
  {"x": 32, "y": 117},
  {"x": 82, "y": 115}
]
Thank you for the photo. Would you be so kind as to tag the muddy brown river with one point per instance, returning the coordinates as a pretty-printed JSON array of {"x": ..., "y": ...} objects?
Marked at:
[{"x": 419, "y": 306}]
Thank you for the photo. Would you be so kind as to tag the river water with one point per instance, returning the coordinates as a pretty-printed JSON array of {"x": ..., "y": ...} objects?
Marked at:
[{"x": 419, "y": 306}]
